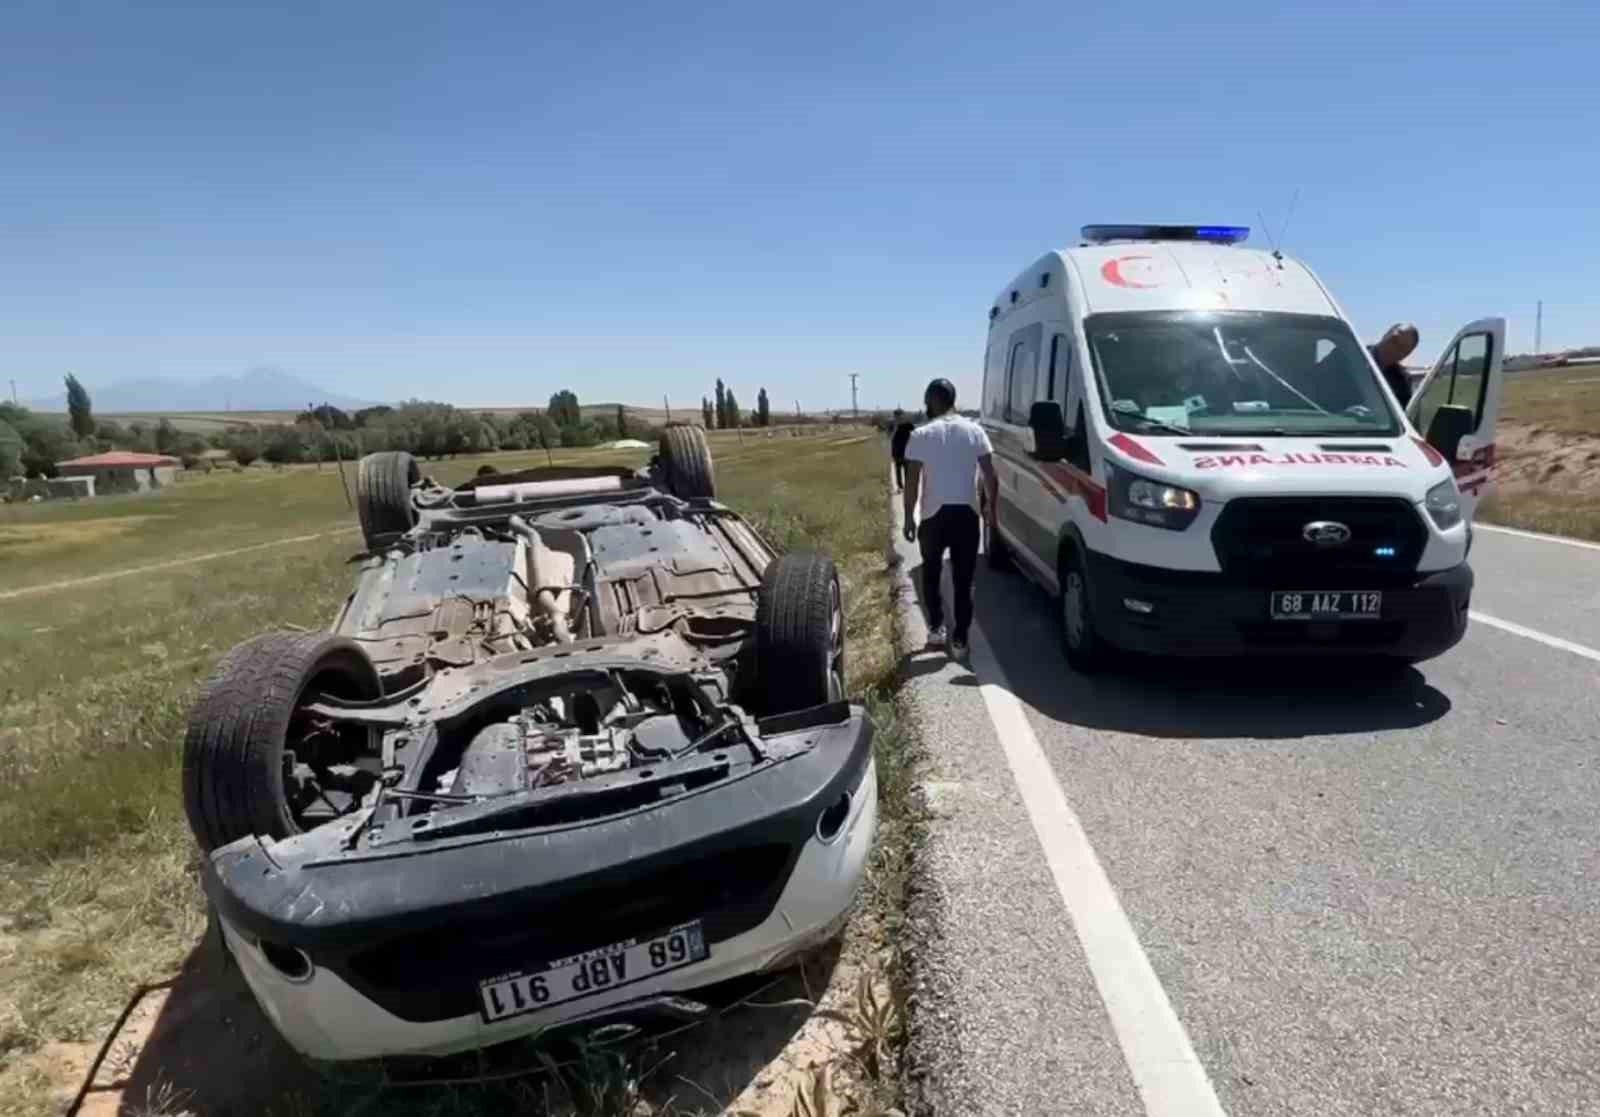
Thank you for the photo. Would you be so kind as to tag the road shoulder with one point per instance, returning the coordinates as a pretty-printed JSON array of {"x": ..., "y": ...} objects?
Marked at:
[{"x": 1004, "y": 1015}]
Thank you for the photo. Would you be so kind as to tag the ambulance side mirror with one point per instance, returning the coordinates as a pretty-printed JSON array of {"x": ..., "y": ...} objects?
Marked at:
[
  {"x": 1449, "y": 425},
  {"x": 1049, "y": 431}
]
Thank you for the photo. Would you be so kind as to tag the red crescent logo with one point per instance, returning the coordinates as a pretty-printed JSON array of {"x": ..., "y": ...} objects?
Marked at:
[{"x": 1111, "y": 272}]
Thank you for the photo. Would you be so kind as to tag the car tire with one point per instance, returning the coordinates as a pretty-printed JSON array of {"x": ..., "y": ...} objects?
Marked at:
[
  {"x": 800, "y": 634},
  {"x": 247, "y": 727},
  {"x": 383, "y": 495},
  {"x": 686, "y": 461},
  {"x": 1086, "y": 652}
]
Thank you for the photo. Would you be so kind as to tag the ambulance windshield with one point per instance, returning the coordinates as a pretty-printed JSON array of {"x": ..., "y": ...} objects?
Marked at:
[{"x": 1236, "y": 372}]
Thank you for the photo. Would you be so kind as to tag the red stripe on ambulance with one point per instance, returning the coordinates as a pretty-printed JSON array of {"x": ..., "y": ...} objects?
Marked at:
[{"x": 1135, "y": 449}]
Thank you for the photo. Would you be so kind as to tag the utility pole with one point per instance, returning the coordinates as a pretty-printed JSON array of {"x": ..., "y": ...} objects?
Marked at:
[
  {"x": 1538, "y": 329},
  {"x": 668, "y": 406},
  {"x": 13, "y": 391},
  {"x": 855, "y": 412}
]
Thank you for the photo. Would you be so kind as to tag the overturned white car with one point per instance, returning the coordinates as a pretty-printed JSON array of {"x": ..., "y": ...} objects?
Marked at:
[{"x": 576, "y": 747}]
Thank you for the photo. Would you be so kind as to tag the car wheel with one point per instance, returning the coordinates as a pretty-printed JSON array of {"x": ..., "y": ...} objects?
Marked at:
[
  {"x": 800, "y": 634},
  {"x": 687, "y": 462},
  {"x": 254, "y": 762},
  {"x": 1080, "y": 642},
  {"x": 383, "y": 495}
]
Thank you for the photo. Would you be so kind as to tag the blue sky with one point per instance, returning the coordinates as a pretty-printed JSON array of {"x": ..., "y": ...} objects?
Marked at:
[{"x": 487, "y": 202}]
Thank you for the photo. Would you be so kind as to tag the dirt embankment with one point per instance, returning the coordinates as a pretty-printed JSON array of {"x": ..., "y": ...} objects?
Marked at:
[
  {"x": 1546, "y": 479},
  {"x": 1543, "y": 456}
]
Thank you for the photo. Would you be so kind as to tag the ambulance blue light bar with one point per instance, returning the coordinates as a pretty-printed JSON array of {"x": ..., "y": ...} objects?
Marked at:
[{"x": 1214, "y": 234}]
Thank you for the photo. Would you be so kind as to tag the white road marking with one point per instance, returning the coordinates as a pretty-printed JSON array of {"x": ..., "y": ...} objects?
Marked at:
[
  {"x": 1534, "y": 634},
  {"x": 1539, "y": 535},
  {"x": 90, "y": 579},
  {"x": 1168, "y": 1074}
]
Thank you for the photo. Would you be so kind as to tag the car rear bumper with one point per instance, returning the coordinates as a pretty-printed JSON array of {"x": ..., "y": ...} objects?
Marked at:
[
  {"x": 326, "y": 1017},
  {"x": 1200, "y": 614},
  {"x": 397, "y": 945}
]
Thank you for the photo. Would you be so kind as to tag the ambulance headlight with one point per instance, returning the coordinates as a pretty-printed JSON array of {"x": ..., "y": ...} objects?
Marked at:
[
  {"x": 1131, "y": 497},
  {"x": 1444, "y": 504}
]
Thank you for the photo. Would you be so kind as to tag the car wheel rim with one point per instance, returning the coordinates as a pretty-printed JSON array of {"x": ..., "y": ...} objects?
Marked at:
[
  {"x": 835, "y": 645},
  {"x": 1072, "y": 609}
]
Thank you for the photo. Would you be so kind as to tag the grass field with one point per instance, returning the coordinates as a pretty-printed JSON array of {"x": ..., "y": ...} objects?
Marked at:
[
  {"x": 1548, "y": 476},
  {"x": 97, "y": 872},
  {"x": 1565, "y": 400}
]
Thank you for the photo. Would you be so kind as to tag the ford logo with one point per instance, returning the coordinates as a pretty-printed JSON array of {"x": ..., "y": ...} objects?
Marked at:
[{"x": 1326, "y": 533}]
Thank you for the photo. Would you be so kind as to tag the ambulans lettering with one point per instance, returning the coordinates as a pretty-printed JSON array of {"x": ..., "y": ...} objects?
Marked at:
[{"x": 1228, "y": 461}]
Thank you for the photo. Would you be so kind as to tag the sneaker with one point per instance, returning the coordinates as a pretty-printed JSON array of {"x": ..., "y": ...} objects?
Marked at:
[
  {"x": 936, "y": 636},
  {"x": 959, "y": 648}
]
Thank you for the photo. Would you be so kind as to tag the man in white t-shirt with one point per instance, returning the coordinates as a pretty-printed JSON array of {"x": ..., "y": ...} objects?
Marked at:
[{"x": 943, "y": 459}]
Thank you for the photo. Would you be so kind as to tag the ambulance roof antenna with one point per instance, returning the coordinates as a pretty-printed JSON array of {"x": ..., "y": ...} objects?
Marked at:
[
  {"x": 1283, "y": 230},
  {"x": 1265, "y": 228}
]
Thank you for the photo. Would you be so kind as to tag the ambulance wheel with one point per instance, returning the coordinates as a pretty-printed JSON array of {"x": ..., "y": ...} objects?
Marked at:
[{"x": 1086, "y": 652}]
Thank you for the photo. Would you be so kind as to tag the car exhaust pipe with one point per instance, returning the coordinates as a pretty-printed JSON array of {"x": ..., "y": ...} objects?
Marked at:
[{"x": 541, "y": 560}]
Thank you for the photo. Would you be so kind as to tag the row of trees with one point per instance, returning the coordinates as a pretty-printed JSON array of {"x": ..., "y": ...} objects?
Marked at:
[
  {"x": 31, "y": 443},
  {"x": 726, "y": 414},
  {"x": 427, "y": 429}
]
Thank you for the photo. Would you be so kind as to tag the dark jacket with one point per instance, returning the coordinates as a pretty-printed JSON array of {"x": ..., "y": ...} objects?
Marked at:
[
  {"x": 1399, "y": 381},
  {"x": 898, "y": 440}
]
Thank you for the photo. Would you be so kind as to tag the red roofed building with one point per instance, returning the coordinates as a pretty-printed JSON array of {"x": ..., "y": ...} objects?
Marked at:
[{"x": 121, "y": 471}]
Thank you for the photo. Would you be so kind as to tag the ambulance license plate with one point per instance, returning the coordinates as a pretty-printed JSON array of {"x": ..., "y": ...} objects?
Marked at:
[
  {"x": 1327, "y": 605},
  {"x": 593, "y": 971}
]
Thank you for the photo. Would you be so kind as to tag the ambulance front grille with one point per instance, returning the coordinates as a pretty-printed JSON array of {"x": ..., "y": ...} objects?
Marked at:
[{"x": 1260, "y": 541}]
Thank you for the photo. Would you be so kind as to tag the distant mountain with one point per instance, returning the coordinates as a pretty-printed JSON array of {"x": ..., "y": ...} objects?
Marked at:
[{"x": 264, "y": 389}]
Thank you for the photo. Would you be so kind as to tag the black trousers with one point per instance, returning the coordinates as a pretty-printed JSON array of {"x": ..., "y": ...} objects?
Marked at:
[
  {"x": 899, "y": 474},
  {"x": 954, "y": 527}
]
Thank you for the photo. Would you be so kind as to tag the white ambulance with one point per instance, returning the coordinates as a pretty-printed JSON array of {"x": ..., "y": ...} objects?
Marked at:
[{"x": 1197, "y": 455}]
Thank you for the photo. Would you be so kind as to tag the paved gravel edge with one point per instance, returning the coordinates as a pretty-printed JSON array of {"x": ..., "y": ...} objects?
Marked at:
[
  {"x": 927, "y": 1046},
  {"x": 1002, "y": 1014}
]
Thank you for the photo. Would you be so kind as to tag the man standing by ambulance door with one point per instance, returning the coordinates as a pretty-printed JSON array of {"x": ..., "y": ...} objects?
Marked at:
[{"x": 944, "y": 457}]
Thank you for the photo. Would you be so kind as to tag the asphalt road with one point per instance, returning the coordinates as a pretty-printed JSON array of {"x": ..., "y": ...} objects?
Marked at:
[{"x": 1360, "y": 894}]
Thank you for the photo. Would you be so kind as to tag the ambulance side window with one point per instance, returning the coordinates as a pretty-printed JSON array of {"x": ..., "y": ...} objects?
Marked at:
[
  {"x": 1460, "y": 381},
  {"x": 994, "y": 380},
  {"x": 1070, "y": 389},
  {"x": 1022, "y": 369},
  {"x": 1472, "y": 362},
  {"x": 1060, "y": 366}
]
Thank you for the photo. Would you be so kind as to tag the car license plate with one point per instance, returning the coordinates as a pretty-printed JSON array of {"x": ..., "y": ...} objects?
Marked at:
[
  {"x": 1327, "y": 605},
  {"x": 593, "y": 971}
]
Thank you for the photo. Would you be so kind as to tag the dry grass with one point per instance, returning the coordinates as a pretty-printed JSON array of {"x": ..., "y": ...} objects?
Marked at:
[
  {"x": 97, "y": 872},
  {"x": 1540, "y": 509},
  {"x": 1566, "y": 400},
  {"x": 1548, "y": 478}
]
